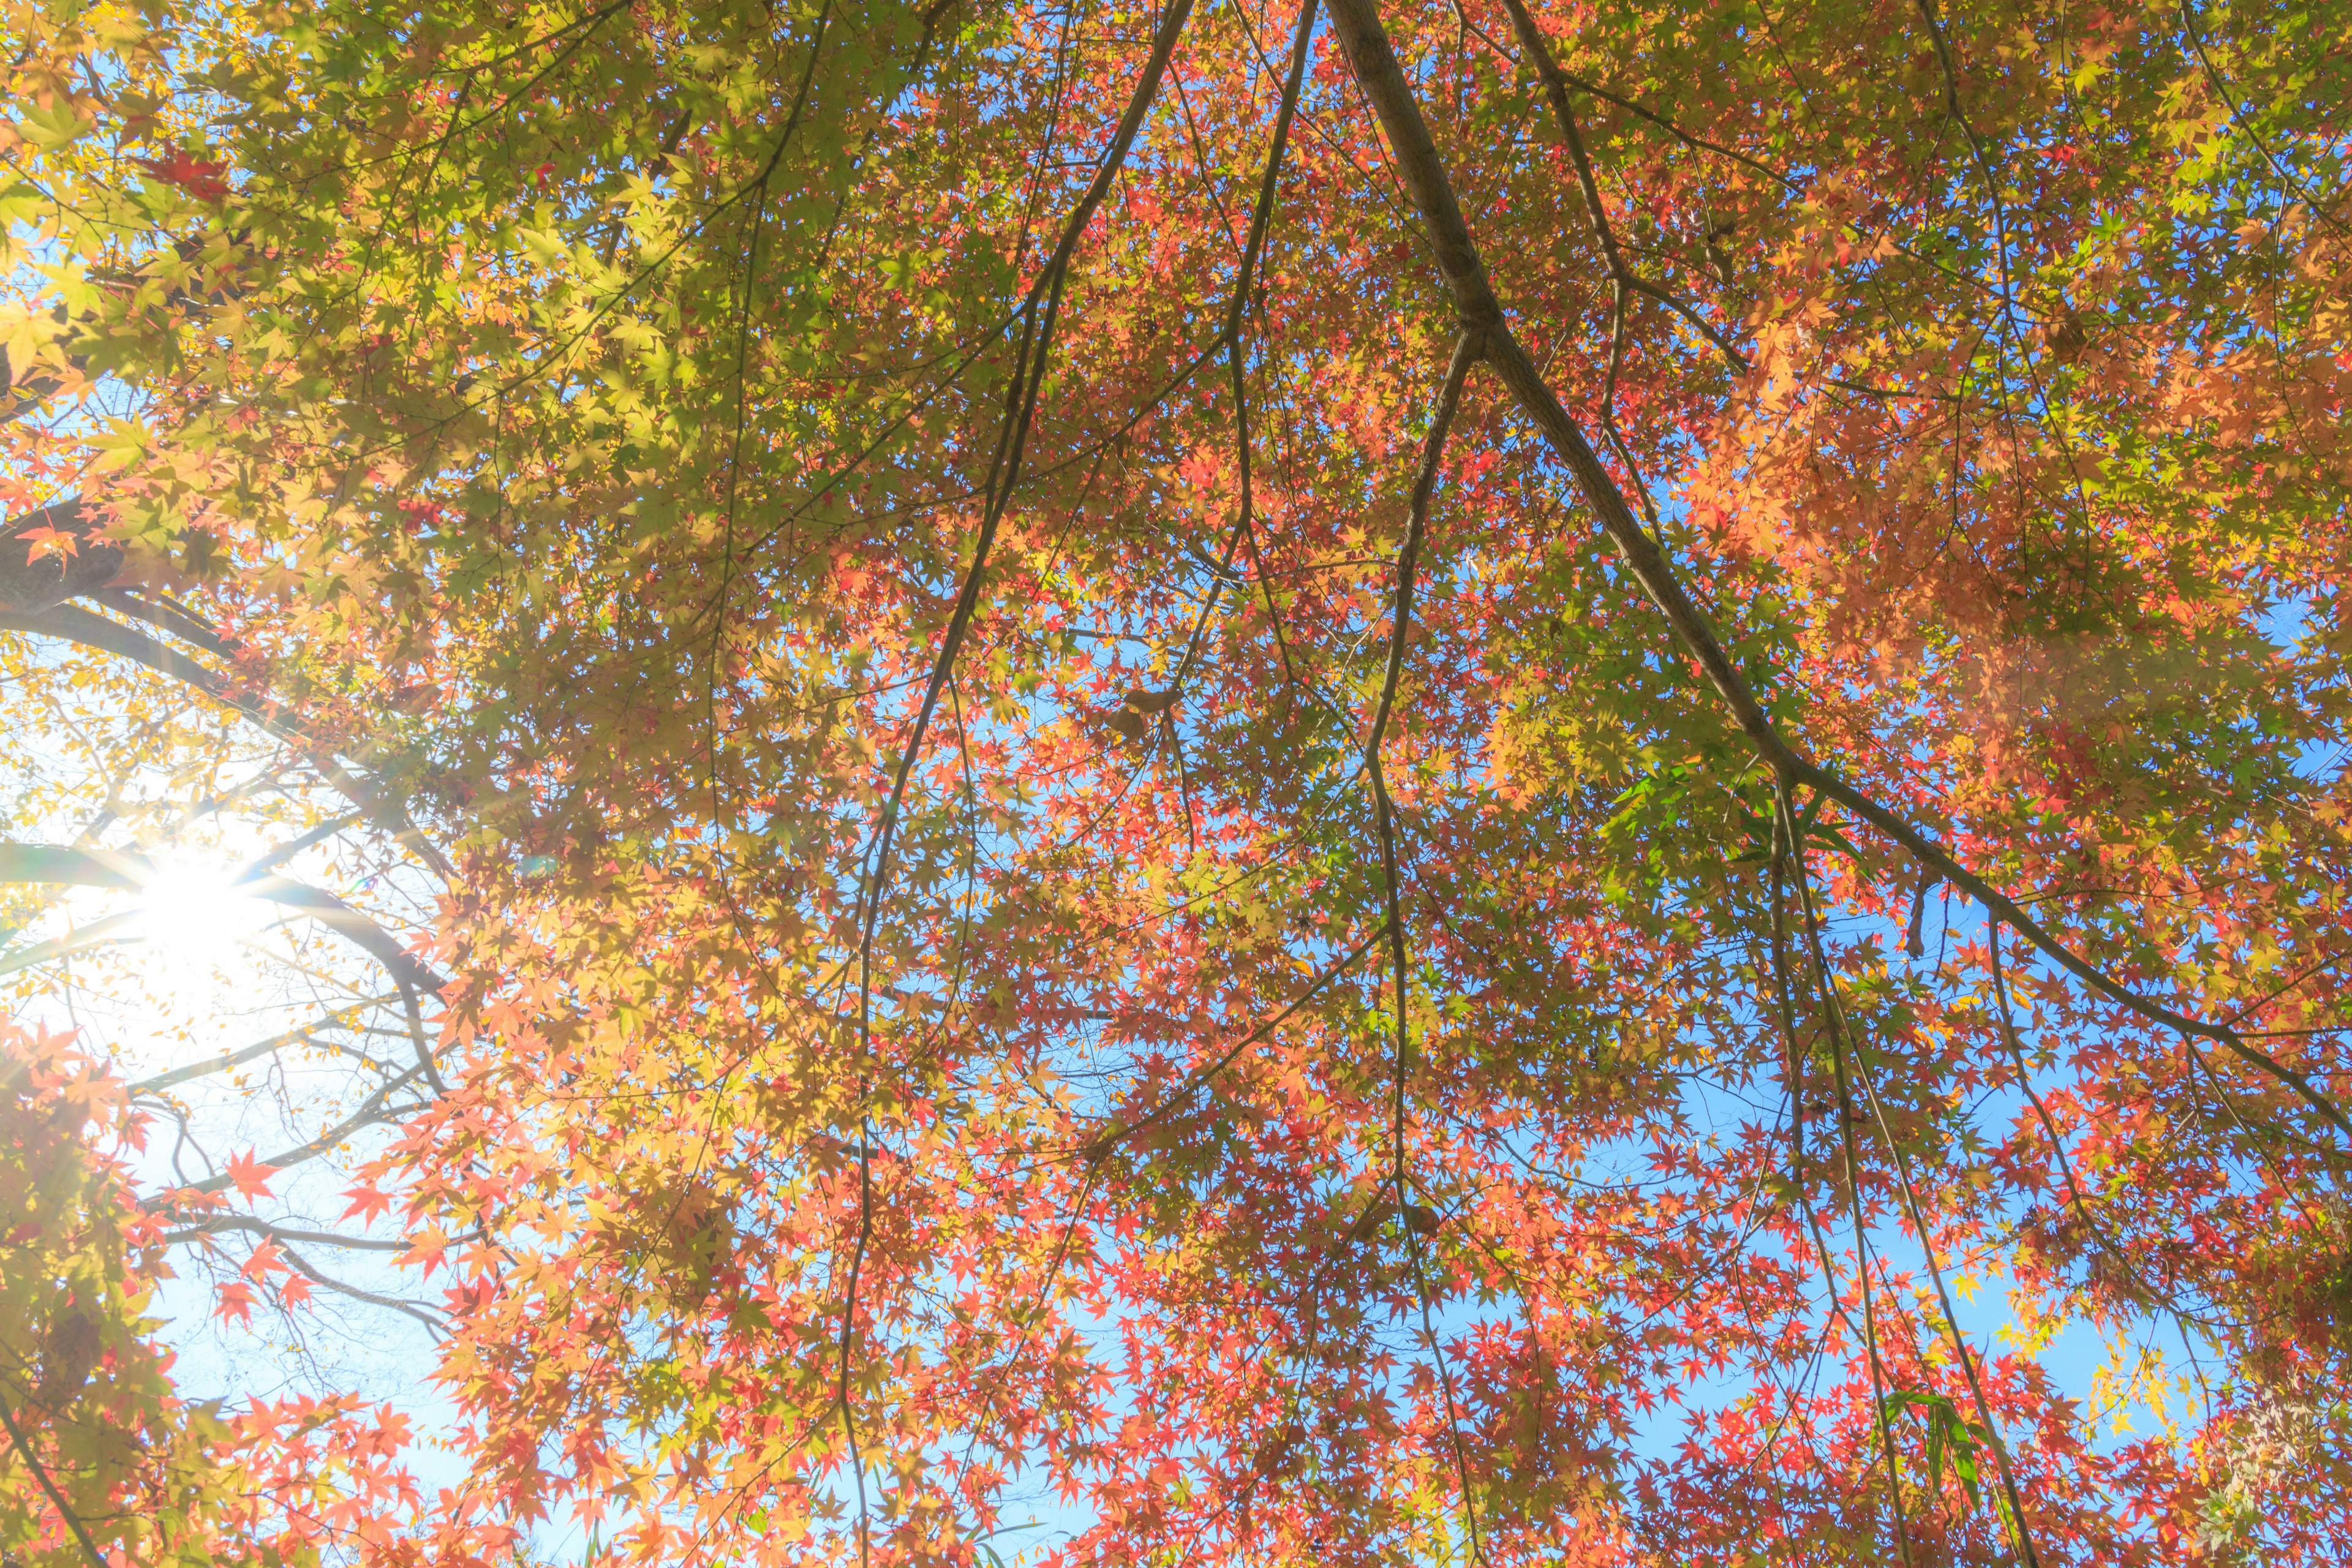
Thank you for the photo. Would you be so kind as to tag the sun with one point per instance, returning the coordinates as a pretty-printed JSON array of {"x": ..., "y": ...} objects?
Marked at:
[{"x": 194, "y": 916}]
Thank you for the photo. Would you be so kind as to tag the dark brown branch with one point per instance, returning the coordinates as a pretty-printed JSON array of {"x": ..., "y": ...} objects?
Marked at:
[
  {"x": 1252, "y": 251},
  {"x": 415, "y": 1310},
  {"x": 164, "y": 616},
  {"x": 2006, "y": 910},
  {"x": 1441, "y": 424},
  {"x": 1556, "y": 84},
  {"x": 215, "y": 1224},
  {"x": 2229, "y": 102}
]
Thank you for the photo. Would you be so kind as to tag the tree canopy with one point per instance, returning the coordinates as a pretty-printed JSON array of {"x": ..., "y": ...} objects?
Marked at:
[{"x": 1358, "y": 783}]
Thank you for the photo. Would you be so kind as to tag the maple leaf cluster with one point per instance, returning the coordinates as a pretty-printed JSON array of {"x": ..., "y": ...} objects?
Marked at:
[{"x": 1334, "y": 782}]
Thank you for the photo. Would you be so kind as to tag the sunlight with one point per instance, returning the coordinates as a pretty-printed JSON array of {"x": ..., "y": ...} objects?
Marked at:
[{"x": 194, "y": 917}]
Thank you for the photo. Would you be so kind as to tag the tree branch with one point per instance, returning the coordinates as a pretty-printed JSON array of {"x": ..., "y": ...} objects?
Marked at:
[
  {"x": 72, "y": 624},
  {"x": 56, "y": 1499},
  {"x": 370, "y": 1113},
  {"x": 1103, "y": 1144},
  {"x": 1477, "y": 309},
  {"x": 1424, "y": 486},
  {"x": 215, "y": 1224},
  {"x": 229, "y": 1059}
]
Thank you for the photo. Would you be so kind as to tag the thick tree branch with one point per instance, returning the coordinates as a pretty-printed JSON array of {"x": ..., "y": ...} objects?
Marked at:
[
  {"x": 1478, "y": 309},
  {"x": 29, "y": 585}
]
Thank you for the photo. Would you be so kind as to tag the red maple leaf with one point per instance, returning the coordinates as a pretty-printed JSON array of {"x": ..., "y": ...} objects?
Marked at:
[
  {"x": 44, "y": 542},
  {"x": 366, "y": 1203},
  {"x": 200, "y": 177},
  {"x": 249, "y": 1175}
]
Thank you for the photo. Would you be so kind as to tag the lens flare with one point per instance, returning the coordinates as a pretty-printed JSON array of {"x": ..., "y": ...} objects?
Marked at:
[{"x": 194, "y": 917}]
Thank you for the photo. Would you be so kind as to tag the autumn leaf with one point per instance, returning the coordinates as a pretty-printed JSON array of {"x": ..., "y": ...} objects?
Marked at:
[
  {"x": 248, "y": 1174},
  {"x": 365, "y": 1204},
  {"x": 234, "y": 1299}
]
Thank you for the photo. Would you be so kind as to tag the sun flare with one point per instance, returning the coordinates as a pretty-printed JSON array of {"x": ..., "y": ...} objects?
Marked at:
[{"x": 195, "y": 915}]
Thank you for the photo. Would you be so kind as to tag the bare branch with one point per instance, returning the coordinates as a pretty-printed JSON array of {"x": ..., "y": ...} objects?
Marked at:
[
  {"x": 415, "y": 1310},
  {"x": 238, "y": 1058},
  {"x": 216, "y": 1224},
  {"x": 372, "y": 1113}
]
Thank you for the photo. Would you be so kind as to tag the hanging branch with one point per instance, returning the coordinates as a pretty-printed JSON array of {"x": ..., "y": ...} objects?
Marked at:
[
  {"x": 1835, "y": 1015},
  {"x": 743, "y": 399},
  {"x": 1833, "y": 1019},
  {"x": 1441, "y": 424},
  {"x": 1022, "y": 393},
  {"x": 1622, "y": 279},
  {"x": 1253, "y": 252},
  {"x": 1951, "y": 1319},
  {"x": 2106, "y": 1242}
]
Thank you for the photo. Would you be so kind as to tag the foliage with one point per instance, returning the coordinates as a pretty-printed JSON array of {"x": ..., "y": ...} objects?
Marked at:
[{"x": 1357, "y": 785}]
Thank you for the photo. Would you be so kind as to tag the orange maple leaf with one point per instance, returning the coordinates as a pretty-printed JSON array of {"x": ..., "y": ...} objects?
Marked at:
[
  {"x": 44, "y": 542},
  {"x": 249, "y": 1175},
  {"x": 366, "y": 1203}
]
